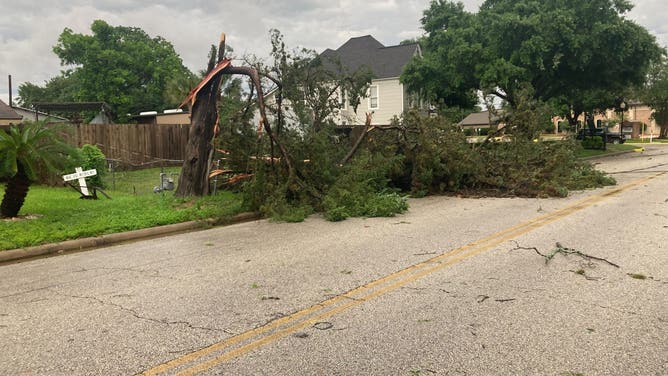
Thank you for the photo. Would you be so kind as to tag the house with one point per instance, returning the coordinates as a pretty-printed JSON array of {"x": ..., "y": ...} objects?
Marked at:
[
  {"x": 8, "y": 116},
  {"x": 176, "y": 116},
  {"x": 638, "y": 120},
  {"x": 386, "y": 97},
  {"x": 102, "y": 110},
  {"x": 32, "y": 115},
  {"x": 477, "y": 121}
]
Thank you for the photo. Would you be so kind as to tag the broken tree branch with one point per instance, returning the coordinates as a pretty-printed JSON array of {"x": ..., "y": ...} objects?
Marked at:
[
  {"x": 563, "y": 250},
  {"x": 359, "y": 140},
  {"x": 255, "y": 77}
]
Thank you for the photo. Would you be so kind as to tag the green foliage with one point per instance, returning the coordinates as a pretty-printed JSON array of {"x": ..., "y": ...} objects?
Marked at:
[
  {"x": 58, "y": 89},
  {"x": 91, "y": 157},
  {"x": 25, "y": 150},
  {"x": 32, "y": 146},
  {"x": 450, "y": 52},
  {"x": 655, "y": 94},
  {"x": 361, "y": 191},
  {"x": 577, "y": 55},
  {"x": 122, "y": 66},
  {"x": 595, "y": 142},
  {"x": 415, "y": 154},
  {"x": 312, "y": 84}
]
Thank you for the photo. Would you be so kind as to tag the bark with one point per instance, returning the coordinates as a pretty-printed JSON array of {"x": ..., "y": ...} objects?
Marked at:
[
  {"x": 664, "y": 131},
  {"x": 15, "y": 194},
  {"x": 194, "y": 178},
  {"x": 359, "y": 140}
]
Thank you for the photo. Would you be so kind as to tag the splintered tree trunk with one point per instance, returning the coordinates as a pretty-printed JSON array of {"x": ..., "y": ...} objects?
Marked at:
[{"x": 194, "y": 179}]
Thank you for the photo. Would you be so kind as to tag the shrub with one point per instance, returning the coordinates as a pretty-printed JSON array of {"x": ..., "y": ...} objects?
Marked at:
[
  {"x": 91, "y": 157},
  {"x": 595, "y": 142}
]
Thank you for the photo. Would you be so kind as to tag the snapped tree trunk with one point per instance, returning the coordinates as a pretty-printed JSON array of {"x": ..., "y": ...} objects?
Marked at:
[
  {"x": 194, "y": 179},
  {"x": 203, "y": 100}
]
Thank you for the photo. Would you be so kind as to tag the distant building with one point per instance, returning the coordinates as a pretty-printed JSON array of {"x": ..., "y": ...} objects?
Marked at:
[
  {"x": 31, "y": 115},
  {"x": 481, "y": 120},
  {"x": 8, "y": 116},
  {"x": 638, "y": 120},
  {"x": 176, "y": 116},
  {"x": 386, "y": 97}
]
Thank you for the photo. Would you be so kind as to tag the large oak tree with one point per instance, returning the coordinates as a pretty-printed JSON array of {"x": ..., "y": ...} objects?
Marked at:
[{"x": 578, "y": 55}]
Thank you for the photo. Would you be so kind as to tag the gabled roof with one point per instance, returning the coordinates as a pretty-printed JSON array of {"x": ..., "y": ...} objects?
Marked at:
[
  {"x": 480, "y": 119},
  {"x": 384, "y": 62},
  {"x": 7, "y": 112},
  {"x": 29, "y": 114}
]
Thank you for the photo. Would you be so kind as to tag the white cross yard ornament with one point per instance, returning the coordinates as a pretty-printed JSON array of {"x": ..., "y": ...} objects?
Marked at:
[{"x": 81, "y": 175}]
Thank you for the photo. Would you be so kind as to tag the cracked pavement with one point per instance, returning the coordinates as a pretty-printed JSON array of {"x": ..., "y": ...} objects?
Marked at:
[{"x": 124, "y": 309}]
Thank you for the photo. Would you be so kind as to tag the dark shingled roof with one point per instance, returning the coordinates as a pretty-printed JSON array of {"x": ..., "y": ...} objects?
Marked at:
[
  {"x": 7, "y": 112},
  {"x": 384, "y": 62}
]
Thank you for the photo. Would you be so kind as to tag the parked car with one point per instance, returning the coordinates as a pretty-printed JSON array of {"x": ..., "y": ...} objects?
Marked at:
[{"x": 609, "y": 137}]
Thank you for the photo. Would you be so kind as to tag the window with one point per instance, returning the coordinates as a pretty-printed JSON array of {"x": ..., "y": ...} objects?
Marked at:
[{"x": 373, "y": 97}]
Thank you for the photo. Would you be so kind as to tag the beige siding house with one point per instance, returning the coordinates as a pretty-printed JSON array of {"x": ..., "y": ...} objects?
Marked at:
[{"x": 387, "y": 97}]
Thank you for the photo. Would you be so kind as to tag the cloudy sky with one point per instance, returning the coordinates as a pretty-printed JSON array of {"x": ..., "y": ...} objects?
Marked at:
[{"x": 30, "y": 28}]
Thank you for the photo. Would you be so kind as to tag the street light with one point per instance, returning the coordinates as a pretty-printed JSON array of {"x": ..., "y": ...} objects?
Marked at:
[{"x": 622, "y": 105}]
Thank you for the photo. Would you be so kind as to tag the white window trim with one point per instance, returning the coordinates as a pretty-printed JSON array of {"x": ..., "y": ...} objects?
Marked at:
[{"x": 377, "y": 97}]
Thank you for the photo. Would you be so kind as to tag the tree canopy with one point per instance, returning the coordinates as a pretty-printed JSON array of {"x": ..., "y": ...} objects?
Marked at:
[
  {"x": 122, "y": 66},
  {"x": 655, "y": 94},
  {"x": 578, "y": 55}
]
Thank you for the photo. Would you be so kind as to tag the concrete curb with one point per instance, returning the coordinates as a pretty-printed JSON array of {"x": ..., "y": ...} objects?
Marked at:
[
  {"x": 121, "y": 237},
  {"x": 608, "y": 155}
]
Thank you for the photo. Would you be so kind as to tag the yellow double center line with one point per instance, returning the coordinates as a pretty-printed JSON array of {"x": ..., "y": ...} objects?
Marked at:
[{"x": 208, "y": 357}]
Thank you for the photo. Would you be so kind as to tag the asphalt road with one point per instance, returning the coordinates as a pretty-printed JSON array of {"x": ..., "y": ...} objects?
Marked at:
[{"x": 454, "y": 287}]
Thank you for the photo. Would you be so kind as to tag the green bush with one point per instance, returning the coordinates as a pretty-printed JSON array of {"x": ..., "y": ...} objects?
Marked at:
[
  {"x": 91, "y": 157},
  {"x": 595, "y": 142}
]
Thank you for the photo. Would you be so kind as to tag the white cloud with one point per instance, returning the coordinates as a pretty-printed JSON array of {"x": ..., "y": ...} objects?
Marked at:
[{"x": 30, "y": 28}]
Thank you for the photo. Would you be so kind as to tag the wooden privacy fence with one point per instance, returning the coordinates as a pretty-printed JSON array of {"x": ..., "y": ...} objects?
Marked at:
[{"x": 135, "y": 144}]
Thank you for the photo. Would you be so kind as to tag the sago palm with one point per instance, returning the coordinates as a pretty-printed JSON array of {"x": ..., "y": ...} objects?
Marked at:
[{"x": 24, "y": 150}]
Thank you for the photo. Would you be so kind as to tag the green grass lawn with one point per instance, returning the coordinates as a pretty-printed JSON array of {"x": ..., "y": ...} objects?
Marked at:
[
  {"x": 57, "y": 214},
  {"x": 646, "y": 141},
  {"x": 611, "y": 148}
]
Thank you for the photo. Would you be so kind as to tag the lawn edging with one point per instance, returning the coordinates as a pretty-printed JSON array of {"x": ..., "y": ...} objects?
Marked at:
[
  {"x": 611, "y": 154},
  {"x": 121, "y": 237}
]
